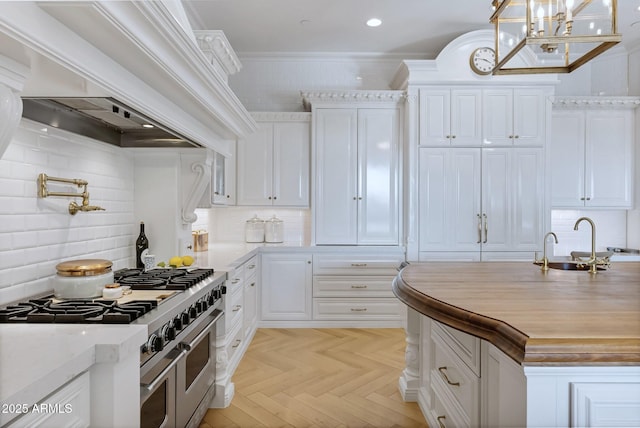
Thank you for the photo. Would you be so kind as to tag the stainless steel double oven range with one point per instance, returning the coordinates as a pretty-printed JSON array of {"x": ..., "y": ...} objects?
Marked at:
[{"x": 181, "y": 309}]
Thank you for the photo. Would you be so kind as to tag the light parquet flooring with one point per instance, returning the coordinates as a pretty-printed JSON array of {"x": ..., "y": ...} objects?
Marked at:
[{"x": 319, "y": 378}]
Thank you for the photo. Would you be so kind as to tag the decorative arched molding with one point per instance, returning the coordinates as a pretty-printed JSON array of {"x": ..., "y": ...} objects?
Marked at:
[
  {"x": 595, "y": 102},
  {"x": 12, "y": 78},
  {"x": 352, "y": 96}
]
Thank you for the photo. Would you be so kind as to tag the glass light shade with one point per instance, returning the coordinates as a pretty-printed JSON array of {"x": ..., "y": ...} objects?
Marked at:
[{"x": 552, "y": 36}]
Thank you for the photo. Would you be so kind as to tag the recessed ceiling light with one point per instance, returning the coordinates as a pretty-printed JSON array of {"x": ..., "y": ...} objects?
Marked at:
[
  {"x": 147, "y": 125},
  {"x": 374, "y": 22}
]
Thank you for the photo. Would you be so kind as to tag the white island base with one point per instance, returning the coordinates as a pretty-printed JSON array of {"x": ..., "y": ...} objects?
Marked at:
[{"x": 459, "y": 380}]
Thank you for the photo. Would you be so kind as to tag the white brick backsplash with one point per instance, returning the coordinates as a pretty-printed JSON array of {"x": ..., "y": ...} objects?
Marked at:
[
  {"x": 610, "y": 230},
  {"x": 37, "y": 234},
  {"x": 228, "y": 224}
]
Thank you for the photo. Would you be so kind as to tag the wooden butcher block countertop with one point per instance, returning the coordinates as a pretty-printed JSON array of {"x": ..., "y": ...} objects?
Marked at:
[{"x": 553, "y": 318}]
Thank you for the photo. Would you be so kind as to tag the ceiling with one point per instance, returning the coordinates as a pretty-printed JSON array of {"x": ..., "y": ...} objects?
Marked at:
[{"x": 412, "y": 29}]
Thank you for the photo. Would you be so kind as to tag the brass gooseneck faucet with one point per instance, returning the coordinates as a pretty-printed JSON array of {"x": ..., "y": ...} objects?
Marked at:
[
  {"x": 545, "y": 260},
  {"x": 592, "y": 262},
  {"x": 74, "y": 207}
]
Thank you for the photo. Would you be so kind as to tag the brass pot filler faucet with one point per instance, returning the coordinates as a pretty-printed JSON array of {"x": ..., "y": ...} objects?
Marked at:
[{"x": 73, "y": 206}]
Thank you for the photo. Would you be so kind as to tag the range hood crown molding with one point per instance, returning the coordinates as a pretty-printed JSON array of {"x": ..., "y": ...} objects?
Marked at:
[{"x": 137, "y": 53}]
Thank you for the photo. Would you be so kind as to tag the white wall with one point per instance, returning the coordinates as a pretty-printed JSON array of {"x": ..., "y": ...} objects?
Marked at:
[
  {"x": 274, "y": 84},
  {"x": 36, "y": 234}
]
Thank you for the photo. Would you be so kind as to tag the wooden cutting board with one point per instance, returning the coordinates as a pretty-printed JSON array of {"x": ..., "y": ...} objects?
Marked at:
[{"x": 157, "y": 295}]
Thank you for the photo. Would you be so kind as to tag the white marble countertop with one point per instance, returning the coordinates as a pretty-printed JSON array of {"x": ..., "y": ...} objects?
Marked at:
[
  {"x": 36, "y": 359},
  {"x": 228, "y": 255}
]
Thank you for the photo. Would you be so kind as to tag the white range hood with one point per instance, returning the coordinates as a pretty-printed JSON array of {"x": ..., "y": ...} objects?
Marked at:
[{"x": 141, "y": 53}]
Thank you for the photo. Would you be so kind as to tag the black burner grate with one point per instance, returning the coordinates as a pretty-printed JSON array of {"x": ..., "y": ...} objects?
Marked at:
[
  {"x": 76, "y": 311},
  {"x": 161, "y": 279}
]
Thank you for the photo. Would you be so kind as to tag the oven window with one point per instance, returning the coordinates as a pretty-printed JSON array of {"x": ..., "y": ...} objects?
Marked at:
[
  {"x": 154, "y": 410},
  {"x": 197, "y": 360}
]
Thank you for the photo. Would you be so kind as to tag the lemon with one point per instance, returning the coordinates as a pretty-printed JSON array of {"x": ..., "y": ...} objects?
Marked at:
[
  {"x": 187, "y": 260},
  {"x": 175, "y": 261}
]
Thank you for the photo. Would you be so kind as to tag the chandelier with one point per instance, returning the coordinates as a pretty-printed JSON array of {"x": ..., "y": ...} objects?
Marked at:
[{"x": 552, "y": 36}]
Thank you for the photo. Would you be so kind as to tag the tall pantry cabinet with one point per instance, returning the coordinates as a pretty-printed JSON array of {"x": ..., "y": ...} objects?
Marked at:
[
  {"x": 357, "y": 170},
  {"x": 481, "y": 197}
]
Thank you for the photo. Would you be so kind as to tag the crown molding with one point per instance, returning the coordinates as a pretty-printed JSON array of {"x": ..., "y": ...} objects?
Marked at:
[
  {"x": 595, "y": 102},
  {"x": 279, "y": 116},
  {"x": 353, "y": 96},
  {"x": 218, "y": 50}
]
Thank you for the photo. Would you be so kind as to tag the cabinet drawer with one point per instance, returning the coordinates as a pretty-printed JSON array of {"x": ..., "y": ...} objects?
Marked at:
[
  {"x": 361, "y": 309},
  {"x": 446, "y": 413},
  {"x": 350, "y": 264},
  {"x": 235, "y": 281},
  {"x": 352, "y": 286},
  {"x": 250, "y": 267},
  {"x": 451, "y": 374},
  {"x": 465, "y": 346},
  {"x": 233, "y": 311},
  {"x": 235, "y": 341}
]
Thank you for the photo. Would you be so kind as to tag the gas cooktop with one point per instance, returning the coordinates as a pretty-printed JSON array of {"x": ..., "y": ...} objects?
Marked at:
[
  {"x": 161, "y": 279},
  {"x": 49, "y": 310}
]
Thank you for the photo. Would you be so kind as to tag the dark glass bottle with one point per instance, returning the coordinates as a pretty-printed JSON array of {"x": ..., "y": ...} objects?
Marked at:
[{"x": 142, "y": 243}]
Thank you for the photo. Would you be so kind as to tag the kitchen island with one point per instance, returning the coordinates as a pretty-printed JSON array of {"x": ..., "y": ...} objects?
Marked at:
[{"x": 507, "y": 344}]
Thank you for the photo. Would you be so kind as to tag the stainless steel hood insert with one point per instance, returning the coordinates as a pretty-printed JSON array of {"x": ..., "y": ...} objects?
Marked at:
[{"x": 104, "y": 119}]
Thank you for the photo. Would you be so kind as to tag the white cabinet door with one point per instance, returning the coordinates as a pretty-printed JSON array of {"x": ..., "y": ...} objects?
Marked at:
[
  {"x": 592, "y": 159},
  {"x": 255, "y": 167},
  {"x": 496, "y": 199},
  {"x": 529, "y": 117},
  {"x": 336, "y": 176},
  {"x": 512, "y": 199},
  {"x": 513, "y": 117},
  {"x": 450, "y": 117},
  {"x": 609, "y": 159},
  {"x": 378, "y": 207},
  {"x": 273, "y": 165},
  {"x": 567, "y": 160},
  {"x": 291, "y": 164},
  {"x": 449, "y": 203},
  {"x": 485, "y": 200},
  {"x": 286, "y": 287},
  {"x": 357, "y": 184}
]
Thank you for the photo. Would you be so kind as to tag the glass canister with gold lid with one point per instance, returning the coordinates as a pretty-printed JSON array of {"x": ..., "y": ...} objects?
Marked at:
[{"x": 82, "y": 279}]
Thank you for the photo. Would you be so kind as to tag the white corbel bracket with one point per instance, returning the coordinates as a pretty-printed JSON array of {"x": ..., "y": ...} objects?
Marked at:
[{"x": 12, "y": 78}]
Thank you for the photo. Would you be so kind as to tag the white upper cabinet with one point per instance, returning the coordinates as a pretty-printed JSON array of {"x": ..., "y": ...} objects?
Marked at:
[
  {"x": 513, "y": 117},
  {"x": 591, "y": 158},
  {"x": 357, "y": 176},
  {"x": 450, "y": 117},
  {"x": 273, "y": 165}
]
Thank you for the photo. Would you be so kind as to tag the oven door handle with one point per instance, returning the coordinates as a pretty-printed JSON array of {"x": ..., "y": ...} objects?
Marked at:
[
  {"x": 158, "y": 379},
  {"x": 186, "y": 347}
]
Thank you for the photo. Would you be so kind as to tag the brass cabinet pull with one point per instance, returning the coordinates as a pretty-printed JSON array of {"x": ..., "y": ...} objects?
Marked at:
[
  {"x": 358, "y": 309},
  {"x": 251, "y": 267},
  {"x": 486, "y": 229},
  {"x": 358, "y": 264},
  {"x": 237, "y": 343},
  {"x": 235, "y": 280},
  {"x": 479, "y": 229},
  {"x": 358, "y": 286},
  {"x": 440, "y": 423},
  {"x": 236, "y": 308},
  {"x": 453, "y": 136},
  {"x": 443, "y": 371},
  {"x": 253, "y": 284}
]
